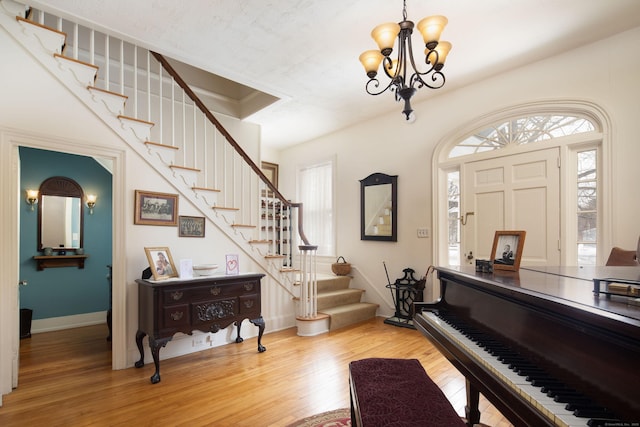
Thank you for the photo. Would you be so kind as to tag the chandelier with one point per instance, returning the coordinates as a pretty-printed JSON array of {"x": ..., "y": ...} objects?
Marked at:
[{"x": 397, "y": 69}]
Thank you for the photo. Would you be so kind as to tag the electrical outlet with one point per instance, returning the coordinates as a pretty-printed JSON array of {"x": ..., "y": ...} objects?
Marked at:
[
  {"x": 423, "y": 233},
  {"x": 198, "y": 342}
]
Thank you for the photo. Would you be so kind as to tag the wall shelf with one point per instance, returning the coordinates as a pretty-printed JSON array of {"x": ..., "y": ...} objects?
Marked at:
[{"x": 55, "y": 261}]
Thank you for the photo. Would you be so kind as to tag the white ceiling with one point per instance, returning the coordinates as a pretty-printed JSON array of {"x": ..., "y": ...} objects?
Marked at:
[{"x": 306, "y": 51}]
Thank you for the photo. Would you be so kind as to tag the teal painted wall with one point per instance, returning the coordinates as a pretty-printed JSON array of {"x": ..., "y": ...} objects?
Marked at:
[{"x": 65, "y": 291}]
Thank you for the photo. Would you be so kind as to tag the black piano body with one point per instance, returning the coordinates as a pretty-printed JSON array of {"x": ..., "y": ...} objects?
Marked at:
[{"x": 553, "y": 317}]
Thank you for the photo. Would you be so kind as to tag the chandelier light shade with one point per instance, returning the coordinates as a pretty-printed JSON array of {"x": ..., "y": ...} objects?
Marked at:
[{"x": 405, "y": 78}]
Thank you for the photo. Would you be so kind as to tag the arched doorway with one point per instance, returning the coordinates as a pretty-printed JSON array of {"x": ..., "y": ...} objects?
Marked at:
[{"x": 524, "y": 167}]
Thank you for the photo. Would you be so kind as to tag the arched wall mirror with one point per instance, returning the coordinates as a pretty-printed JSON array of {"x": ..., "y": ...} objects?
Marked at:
[
  {"x": 378, "y": 207},
  {"x": 60, "y": 214}
]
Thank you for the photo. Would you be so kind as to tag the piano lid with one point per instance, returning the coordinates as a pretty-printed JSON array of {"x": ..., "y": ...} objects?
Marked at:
[{"x": 571, "y": 286}]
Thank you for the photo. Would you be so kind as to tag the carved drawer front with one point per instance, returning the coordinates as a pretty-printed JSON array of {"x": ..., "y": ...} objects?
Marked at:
[
  {"x": 214, "y": 311},
  {"x": 175, "y": 315},
  {"x": 250, "y": 305}
]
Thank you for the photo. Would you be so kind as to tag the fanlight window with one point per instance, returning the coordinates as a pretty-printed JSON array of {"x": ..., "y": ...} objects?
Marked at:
[{"x": 524, "y": 130}]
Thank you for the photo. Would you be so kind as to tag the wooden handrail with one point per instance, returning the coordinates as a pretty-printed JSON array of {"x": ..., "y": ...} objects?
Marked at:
[
  {"x": 172, "y": 72},
  {"x": 217, "y": 124}
]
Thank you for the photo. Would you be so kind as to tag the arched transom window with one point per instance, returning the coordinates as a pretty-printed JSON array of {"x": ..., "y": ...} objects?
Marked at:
[{"x": 522, "y": 130}]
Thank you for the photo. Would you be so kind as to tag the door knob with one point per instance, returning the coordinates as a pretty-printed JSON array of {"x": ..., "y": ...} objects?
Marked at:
[{"x": 22, "y": 283}]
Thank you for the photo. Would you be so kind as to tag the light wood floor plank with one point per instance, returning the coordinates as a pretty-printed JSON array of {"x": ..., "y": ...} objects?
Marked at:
[{"x": 66, "y": 380}]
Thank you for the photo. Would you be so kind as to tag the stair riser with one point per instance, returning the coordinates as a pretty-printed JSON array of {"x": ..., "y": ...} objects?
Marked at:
[
  {"x": 334, "y": 284},
  {"x": 358, "y": 314},
  {"x": 327, "y": 301}
]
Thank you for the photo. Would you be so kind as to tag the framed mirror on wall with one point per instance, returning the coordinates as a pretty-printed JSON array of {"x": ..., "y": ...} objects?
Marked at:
[
  {"x": 60, "y": 214},
  {"x": 378, "y": 207}
]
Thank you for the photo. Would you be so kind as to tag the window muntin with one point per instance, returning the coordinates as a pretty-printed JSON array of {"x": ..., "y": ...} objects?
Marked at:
[{"x": 519, "y": 131}]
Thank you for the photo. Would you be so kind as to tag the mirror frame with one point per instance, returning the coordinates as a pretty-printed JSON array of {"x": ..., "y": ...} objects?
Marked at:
[
  {"x": 64, "y": 187},
  {"x": 380, "y": 179}
]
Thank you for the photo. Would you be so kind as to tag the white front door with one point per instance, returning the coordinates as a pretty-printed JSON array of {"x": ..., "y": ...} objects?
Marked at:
[{"x": 517, "y": 192}]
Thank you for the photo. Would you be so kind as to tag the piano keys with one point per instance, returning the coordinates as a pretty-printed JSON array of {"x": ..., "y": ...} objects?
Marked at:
[{"x": 539, "y": 344}]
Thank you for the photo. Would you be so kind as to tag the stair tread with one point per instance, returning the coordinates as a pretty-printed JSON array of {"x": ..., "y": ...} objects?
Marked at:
[
  {"x": 215, "y": 190},
  {"x": 133, "y": 119},
  {"x": 224, "y": 208},
  {"x": 77, "y": 61},
  {"x": 93, "y": 88},
  {"x": 349, "y": 307},
  {"x": 340, "y": 292},
  {"x": 187, "y": 168},
  {"x": 37, "y": 24}
]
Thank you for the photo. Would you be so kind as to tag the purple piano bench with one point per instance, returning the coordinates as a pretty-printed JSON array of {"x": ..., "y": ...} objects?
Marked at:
[{"x": 398, "y": 393}]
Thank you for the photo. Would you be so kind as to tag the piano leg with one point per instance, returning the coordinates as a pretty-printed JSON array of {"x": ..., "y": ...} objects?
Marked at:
[{"x": 472, "y": 412}]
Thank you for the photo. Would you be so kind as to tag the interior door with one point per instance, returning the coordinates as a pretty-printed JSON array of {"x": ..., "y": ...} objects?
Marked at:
[{"x": 517, "y": 192}]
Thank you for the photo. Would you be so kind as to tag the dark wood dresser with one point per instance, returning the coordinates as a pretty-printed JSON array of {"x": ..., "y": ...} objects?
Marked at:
[{"x": 207, "y": 304}]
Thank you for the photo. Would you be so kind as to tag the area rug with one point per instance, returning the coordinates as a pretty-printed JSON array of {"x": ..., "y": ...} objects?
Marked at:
[{"x": 335, "y": 418}]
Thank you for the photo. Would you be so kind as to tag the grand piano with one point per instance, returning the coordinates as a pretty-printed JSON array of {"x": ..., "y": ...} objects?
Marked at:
[{"x": 543, "y": 345}]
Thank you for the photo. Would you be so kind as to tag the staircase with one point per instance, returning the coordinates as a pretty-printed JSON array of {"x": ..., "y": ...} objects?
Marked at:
[
  {"x": 338, "y": 306},
  {"x": 139, "y": 95}
]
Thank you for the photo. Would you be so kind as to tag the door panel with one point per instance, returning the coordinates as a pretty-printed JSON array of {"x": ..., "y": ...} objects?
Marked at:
[{"x": 517, "y": 192}]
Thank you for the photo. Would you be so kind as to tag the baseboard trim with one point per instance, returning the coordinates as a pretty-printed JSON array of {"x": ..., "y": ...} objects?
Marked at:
[{"x": 68, "y": 322}]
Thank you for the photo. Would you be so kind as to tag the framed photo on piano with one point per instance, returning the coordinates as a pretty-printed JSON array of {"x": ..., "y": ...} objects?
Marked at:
[{"x": 507, "y": 249}]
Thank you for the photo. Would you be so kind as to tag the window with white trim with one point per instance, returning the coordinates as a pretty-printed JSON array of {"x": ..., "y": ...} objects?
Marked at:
[
  {"x": 587, "y": 206},
  {"x": 315, "y": 191}
]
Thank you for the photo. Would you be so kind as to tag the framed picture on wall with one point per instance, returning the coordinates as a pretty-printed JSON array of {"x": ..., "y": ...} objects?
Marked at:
[
  {"x": 161, "y": 263},
  {"x": 153, "y": 208},
  {"x": 507, "y": 250},
  {"x": 270, "y": 170},
  {"x": 191, "y": 226}
]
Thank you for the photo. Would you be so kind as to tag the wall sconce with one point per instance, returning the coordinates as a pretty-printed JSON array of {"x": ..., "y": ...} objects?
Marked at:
[
  {"x": 32, "y": 198},
  {"x": 91, "y": 202}
]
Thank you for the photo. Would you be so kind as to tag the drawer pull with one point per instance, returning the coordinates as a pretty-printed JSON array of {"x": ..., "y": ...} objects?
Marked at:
[
  {"x": 215, "y": 291},
  {"x": 248, "y": 303},
  {"x": 248, "y": 286},
  {"x": 177, "y": 315},
  {"x": 177, "y": 295}
]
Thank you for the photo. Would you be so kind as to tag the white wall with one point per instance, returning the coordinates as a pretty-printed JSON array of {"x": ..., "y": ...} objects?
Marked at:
[{"x": 606, "y": 73}]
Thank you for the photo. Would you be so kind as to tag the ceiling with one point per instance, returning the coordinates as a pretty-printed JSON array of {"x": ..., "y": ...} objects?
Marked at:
[{"x": 305, "y": 52}]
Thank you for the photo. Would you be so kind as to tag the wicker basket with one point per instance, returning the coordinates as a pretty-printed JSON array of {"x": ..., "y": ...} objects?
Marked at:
[{"x": 341, "y": 268}]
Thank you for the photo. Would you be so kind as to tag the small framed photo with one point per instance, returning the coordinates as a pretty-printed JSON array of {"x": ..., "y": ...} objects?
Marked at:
[
  {"x": 161, "y": 263},
  {"x": 156, "y": 208},
  {"x": 507, "y": 250},
  {"x": 191, "y": 226}
]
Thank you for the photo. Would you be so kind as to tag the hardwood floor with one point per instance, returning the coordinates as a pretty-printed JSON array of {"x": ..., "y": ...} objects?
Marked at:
[{"x": 66, "y": 380}]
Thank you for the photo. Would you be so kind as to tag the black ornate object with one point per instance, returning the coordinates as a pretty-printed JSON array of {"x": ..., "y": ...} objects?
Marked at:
[{"x": 405, "y": 291}]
